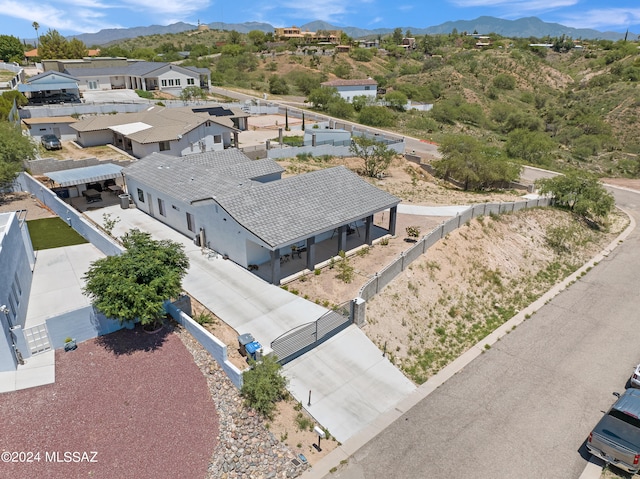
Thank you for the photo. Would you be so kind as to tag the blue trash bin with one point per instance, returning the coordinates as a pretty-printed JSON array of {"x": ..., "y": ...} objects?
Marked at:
[{"x": 253, "y": 350}]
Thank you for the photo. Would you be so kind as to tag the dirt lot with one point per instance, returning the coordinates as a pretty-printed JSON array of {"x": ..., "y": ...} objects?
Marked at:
[{"x": 72, "y": 151}]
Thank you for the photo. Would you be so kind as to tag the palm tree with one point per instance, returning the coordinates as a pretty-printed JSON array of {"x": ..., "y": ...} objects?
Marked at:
[{"x": 36, "y": 25}]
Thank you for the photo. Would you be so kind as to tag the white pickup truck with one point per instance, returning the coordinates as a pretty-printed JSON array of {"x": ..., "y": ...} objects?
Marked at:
[{"x": 616, "y": 437}]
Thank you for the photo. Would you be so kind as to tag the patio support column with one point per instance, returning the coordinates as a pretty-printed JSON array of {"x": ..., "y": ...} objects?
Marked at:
[
  {"x": 342, "y": 238},
  {"x": 368, "y": 230},
  {"x": 275, "y": 266},
  {"x": 393, "y": 215},
  {"x": 236, "y": 141},
  {"x": 311, "y": 253}
]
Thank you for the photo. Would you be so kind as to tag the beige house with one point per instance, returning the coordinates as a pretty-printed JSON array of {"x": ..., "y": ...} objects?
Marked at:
[{"x": 171, "y": 131}]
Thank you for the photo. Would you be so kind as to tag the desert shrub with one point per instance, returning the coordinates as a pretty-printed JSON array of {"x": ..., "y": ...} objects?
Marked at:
[{"x": 264, "y": 385}]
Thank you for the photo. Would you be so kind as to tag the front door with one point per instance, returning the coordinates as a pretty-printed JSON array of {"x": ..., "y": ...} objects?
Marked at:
[{"x": 150, "y": 201}]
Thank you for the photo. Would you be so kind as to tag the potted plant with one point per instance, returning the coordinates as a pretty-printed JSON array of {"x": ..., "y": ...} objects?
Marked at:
[{"x": 70, "y": 344}]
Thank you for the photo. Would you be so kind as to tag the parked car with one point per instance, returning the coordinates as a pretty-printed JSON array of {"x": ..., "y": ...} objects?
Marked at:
[
  {"x": 635, "y": 378},
  {"x": 616, "y": 437},
  {"x": 51, "y": 142}
]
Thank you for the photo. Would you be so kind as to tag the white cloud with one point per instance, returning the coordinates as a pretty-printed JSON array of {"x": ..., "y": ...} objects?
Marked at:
[
  {"x": 159, "y": 8},
  {"x": 603, "y": 18}
]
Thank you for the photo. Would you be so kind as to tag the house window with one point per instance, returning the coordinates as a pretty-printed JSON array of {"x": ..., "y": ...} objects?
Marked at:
[
  {"x": 190, "y": 226},
  {"x": 15, "y": 294},
  {"x": 140, "y": 195},
  {"x": 178, "y": 81},
  {"x": 92, "y": 85},
  {"x": 17, "y": 281},
  {"x": 164, "y": 146},
  {"x": 161, "y": 207},
  {"x": 175, "y": 207},
  {"x": 217, "y": 138},
  {"x": 191, "y": 81},
  {"x": 171, "y": 82},
  {"x": 164, "y": 82}
]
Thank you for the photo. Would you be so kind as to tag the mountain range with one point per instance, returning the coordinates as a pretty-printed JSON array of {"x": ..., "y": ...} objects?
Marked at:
[{"x": 523, "y": 27}]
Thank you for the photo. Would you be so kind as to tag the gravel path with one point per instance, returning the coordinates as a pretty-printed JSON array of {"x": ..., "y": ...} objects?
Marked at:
[{"x": 246, "y": 449}]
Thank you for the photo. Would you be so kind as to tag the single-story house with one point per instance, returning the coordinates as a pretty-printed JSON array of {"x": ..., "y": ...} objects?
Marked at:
[
  {"x": 51, "y": 125},
  {"x": 243, "y": 209},
  {"x": 50, "y": 85},
  {"x": 121, "y": 73},
  {"x": 173, "y": 131},
  {"x": 348, "y": 89}
]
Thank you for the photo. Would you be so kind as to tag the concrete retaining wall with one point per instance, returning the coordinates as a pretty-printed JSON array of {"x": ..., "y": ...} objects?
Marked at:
[
  {"x": 213, "y": 345},
  {"x": 82, "y": 324}
]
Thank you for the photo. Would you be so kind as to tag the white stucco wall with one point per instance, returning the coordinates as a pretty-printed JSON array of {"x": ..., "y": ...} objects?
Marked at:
[
  {"x": 103, "y": 82},
  {"x": 222, "y": 232},
  {"x": 95, "y": 138},
  {"x": 348, "y": 92},
  {"x": 16, "y": 255}
]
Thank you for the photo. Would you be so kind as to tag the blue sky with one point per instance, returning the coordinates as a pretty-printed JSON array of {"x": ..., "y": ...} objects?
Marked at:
[{"x": 70, "y": 17}]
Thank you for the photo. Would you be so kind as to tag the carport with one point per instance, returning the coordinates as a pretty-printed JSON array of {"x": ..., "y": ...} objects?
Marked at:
[{"x": 80, "y": 178}]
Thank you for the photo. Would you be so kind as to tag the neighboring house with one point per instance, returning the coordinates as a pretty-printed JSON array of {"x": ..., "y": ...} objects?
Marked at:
[
  {"x": 242, "y": 209},
  {"x": 173, "y": 131},
  {"x": 295, "y": 33},
  {"x": 49, "y": 85},
  {"x": 16, "y": 263},
  {"x": 409, "y": 43},
  {"x": 121, "y": 73},
  {"x": 51, "y": 125},
  {"x": 18, "y": 75},
  {"x": 348, "y": 89}
]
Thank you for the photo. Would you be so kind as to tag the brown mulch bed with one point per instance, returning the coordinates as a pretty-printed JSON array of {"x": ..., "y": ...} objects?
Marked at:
[{"x": 137, "y": 399}]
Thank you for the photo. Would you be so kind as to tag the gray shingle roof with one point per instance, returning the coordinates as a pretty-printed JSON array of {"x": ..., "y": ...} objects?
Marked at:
[
  {"x": 279, "y": 212},
  {"x": 289, "y": 210},
  {"x": 201, "y": 176}
]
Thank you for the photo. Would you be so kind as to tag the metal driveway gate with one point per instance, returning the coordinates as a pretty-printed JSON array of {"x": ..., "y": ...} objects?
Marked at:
[{"x": 296, "y": 342}]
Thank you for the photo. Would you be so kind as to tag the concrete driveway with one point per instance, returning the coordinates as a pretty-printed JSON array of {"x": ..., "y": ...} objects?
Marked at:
[{"x": 351, "y": 383}]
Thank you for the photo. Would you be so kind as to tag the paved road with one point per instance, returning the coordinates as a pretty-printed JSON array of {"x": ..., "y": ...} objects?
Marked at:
[{"x": 524, "y": 408}]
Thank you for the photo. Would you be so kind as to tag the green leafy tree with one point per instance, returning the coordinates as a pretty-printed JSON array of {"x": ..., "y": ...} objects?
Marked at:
[
  {"x": 476, "y": 166},
  {"x": 193, "y": 93},
  {"x": 503, "y": 81},
  {"x": 76, "y": 49},
  {"x": 397, "y": 100},
  {"x": 264, "y": 385},
  {"x": 581, "y": 193},
  {"x": 377, "y": 116},
  {"x": 11, "y": 49},
  {"x": 234, "y": 37},
  {"x": 278, "y": 85},
  {"x": 135, "y": 284},
  {"x": 321, "y": 97},
  {"x": 258, "y": 38},
  {"x": 530, "y": 146},
  {"x": 52, "y": 45},
  {"x": 340, "y": 108},
  {"x": 14, "y": 149},
  {"x": 376, "y": 155},
  {"x": 396, "y": 36}
]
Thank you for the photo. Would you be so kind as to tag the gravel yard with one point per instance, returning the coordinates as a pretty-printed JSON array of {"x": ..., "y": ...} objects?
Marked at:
[{"x": 135, "y": 399}]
